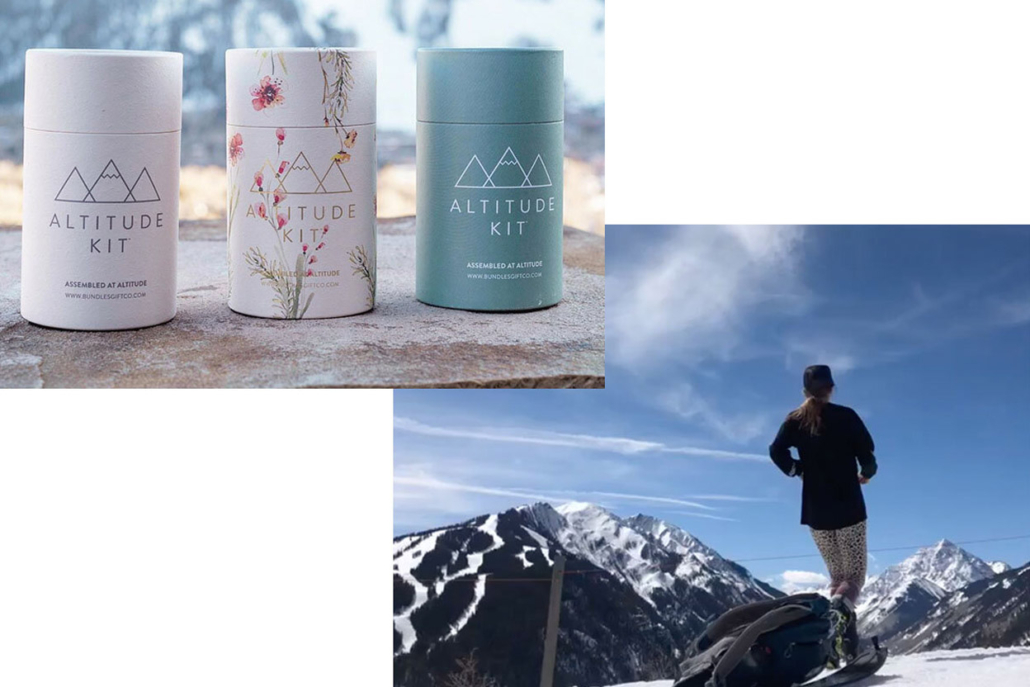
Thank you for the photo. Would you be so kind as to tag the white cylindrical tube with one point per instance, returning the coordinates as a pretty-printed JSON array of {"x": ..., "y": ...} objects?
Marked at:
[{"x": 101, "y": 188}]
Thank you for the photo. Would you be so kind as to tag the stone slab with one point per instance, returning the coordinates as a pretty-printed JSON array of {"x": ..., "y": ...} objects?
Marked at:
[{"x": 402, "y": 343}]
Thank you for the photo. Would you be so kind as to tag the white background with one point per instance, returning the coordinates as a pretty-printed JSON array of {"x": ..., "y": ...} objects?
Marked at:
[
  {"x": 818, "y": 111},
  {"x": 195, "y": 538}
]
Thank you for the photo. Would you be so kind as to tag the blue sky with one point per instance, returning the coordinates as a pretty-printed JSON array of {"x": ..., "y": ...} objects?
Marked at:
[{"x": 708, "y": 330}]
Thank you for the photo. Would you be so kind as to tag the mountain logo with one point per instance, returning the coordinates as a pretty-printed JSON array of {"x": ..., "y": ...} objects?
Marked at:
[
  {"x": 302, "y": 178},
  {"x": 108, "y": 187},
  {"x": 508, "y": 172}
]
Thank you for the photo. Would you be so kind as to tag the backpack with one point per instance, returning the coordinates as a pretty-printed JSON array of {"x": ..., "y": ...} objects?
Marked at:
[{"x": 776, "y": 643}]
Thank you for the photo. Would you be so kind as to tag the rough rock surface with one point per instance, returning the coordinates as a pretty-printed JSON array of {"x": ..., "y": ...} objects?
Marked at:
[{"x": 402, "y": 343}]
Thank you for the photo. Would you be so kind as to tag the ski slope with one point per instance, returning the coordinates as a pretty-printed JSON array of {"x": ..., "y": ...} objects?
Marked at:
[{"x": 962, "y": 668}]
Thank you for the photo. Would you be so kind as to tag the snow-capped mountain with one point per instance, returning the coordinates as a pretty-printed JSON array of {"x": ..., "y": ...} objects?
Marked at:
[
  {"x": 993, "y": 612},
  {"x": 999, "y": 567},
  {"x": 904, "y": 593},
  {"x": 636, "y": 591}
]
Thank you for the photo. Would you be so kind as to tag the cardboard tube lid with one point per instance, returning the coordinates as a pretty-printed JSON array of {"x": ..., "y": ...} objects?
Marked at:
[
  {"x": 491, "y": 85},
  {"x": 103, "y": 91},
  {"x": 300, "y": 87}
]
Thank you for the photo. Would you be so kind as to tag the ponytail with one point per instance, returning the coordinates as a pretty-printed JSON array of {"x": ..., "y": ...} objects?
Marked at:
[{"x": 810, "y": 413}]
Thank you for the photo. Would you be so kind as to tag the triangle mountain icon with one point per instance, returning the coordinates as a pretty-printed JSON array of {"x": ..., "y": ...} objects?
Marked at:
[
  {"x": 74, "y": 188},
  {"x": 301, "y": 177},
  {"x": 110, "y": 187},
  {"x": 474, "y": 176},
  {"x": 334, "y": 180},
  {"x": 143, "y": 190},
  {"x": 508, "y": 172},
  {"x": 537, "y": 176},
  {"x": 268, "y": 179}
]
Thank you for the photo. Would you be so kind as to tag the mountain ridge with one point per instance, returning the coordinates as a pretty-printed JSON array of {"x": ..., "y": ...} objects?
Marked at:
[
  {"x": 636, "y": 591},
  {"x": 903, "y": 593}
]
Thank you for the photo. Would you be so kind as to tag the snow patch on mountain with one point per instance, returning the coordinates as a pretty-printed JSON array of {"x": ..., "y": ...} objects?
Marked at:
[
  {"x": 408, "y": 554},
  {"x": 999, "y": 567},
  {"x": 545, "y": 548}
]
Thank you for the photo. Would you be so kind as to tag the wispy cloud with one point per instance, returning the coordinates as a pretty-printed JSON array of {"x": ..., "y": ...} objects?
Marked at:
[
  {"x": 684, "y": 401},
  {"x": 528, "y": 436},
  {"x": 692, "y": 300},
  {"x": 923, "y": 319},
  {"x": 425, "y": 483},
  {"x": 692, "y": 296},
  {"x": 620, "y": 445},
  {"x": 1014, "y": 310},
  {"x": 706, "y": 516},
  {"x": 730, "y": 497},
  {"x": 431, "y": 483}
]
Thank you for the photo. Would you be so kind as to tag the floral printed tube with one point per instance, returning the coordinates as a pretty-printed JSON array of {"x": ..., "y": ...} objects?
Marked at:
[{"x": 301, "y": 162}]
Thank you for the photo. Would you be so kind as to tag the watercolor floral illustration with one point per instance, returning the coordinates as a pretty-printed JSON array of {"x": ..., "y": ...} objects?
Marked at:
[
  {"x": 285, "y": 275},
  {"x": 235, "y": 155},
  {"x": 268, "y": 93},
  {"x": 233, "y": 201},
  {"x": 337, "y": 84},
  {"x": 365, "y": 268}
]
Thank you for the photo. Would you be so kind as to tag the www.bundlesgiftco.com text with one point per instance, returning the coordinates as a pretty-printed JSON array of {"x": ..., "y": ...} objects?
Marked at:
[{"x": 538, "y": 264}]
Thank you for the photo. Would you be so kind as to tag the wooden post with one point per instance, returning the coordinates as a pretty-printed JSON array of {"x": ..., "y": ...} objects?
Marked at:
[{"x": 553, "y": 611}]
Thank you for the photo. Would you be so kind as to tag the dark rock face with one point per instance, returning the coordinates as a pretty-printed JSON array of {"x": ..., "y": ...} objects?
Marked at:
[
  {"x": 632, "y": 597},
  {"x": 993, "y": 612},
  {"x": 909, "y": 608}
]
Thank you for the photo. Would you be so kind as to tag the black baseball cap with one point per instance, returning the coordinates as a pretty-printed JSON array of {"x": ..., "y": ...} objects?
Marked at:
[{"x": 818, "y": 378}]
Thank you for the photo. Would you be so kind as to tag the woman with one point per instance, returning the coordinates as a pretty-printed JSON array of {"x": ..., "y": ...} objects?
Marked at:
[{"x": 829, "y": 438}]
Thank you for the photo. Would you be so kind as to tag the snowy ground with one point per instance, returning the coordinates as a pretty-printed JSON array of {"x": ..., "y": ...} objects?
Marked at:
[{"x": 962, "y": 668}]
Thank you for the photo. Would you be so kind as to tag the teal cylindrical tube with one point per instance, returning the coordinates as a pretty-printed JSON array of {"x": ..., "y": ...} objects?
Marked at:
[{"x": 489, "y": 162}]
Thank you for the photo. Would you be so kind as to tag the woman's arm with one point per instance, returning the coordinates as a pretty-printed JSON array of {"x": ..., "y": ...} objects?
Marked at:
[
  {"x": 779, "y": 451},
  {"x": 864, "y": 449}
]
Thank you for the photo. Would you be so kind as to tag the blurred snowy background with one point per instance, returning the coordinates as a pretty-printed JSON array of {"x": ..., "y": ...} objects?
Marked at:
[{"x": 203, "y": 29}]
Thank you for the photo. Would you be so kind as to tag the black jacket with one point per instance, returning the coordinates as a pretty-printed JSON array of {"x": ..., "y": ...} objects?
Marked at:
[{"x": 831, "y": 497}]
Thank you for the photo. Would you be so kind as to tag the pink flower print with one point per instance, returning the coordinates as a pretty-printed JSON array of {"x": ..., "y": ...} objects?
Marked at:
[
  {"x": 320, "y": 246},
  {"x": 351, "y": 138},
  {"x": 313, "y": 259},
  {"x": 259, "y": 179},
  {"x": 260, "y": 209},
  {"x": 278, "y": 197},
  {"x": 268, "y": 93},
  {"x": 280, "y": 135},
  {"x": 311, "y": 273},
  {"x": 282, "y": 167},
  {"x": 304, "y": 248},
  {"x": 281, "y": 221},
  {"x": 325, "y": 230},
  {"x": 235, "y": 148}
]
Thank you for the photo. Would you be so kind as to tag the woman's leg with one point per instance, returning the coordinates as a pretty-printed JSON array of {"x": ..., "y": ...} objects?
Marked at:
[
  {"x": 844, "y": 551},
  {"x": 833, "y": 556},
  {"x": 851, "y": 543}
]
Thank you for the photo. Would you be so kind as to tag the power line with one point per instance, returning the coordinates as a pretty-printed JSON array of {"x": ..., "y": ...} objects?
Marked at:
[
  {"x": 891, "y": 548},
  {"x": 494, "y": 580}
]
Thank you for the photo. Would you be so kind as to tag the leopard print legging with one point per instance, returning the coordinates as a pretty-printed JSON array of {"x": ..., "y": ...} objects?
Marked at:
[{"x": 844, "y": 552}]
